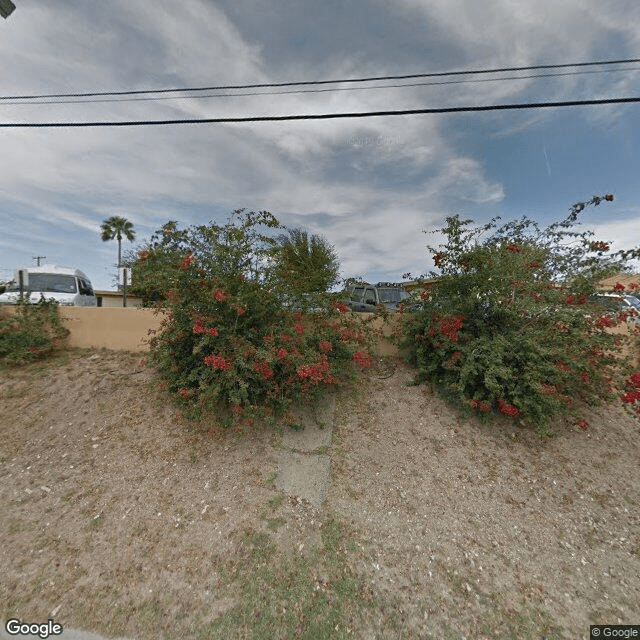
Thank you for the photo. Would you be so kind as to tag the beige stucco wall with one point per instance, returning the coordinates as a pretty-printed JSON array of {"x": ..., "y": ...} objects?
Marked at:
[
  {"x": 128, "y": 329},
  {"x": 110, "y": 327}
]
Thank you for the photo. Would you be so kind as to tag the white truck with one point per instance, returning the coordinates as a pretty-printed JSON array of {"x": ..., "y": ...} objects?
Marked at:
[{"x": 65, "y": 285}]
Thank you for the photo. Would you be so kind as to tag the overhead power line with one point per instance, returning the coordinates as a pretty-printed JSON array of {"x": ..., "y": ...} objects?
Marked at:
[
  {"x": 100, "y": 100},
  {"x": 319, "y": 82},
  {"x": 322, "y": 116}
]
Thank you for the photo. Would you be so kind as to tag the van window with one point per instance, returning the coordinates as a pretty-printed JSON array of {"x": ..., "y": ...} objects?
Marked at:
[
  {"x": 85, "y": 287},
  {"x": 48, "y": 282}
]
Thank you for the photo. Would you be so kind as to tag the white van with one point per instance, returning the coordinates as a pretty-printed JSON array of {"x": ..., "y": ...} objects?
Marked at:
[{"x": 64, "y": 285}]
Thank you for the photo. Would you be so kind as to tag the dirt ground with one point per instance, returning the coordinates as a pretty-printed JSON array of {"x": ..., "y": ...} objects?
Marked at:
[{"x": 119, "y": 517}]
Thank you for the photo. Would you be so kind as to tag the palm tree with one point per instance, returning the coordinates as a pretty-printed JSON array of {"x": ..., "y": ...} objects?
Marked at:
[{"x": 116, "y": 227}]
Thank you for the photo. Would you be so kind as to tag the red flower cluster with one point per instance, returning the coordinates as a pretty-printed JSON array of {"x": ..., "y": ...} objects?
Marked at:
[
  {"x": 480, "y": 405},
  {"x": 264, "y": 369},
  {"x": 618, "y": 287},
  {"x": 630, "y": 396},
  {"x": 571, "y": 299},
  {"x": 598, "y": 246},
  {"x": 281, "y": 353},
  {"x": 298, "y": 328},
  {"x": 341, "y": 307},
  {"x": 186, "y": 263},
  {"x": 184, "y": 393},
  {"x": 363, "y": 359},
  {"x": 314, "y": 372},
  {"x": 325, "y": 346},
  {"x": 450, "y": 325},
  {"x": 439, "y": 259},
  {"x": 507, "y": 409},
  {"x": 549, "y": 389},
  {"x": 514, "y": 248},
  {"x": 198, "y": 329},
  {"x": 221, "y": 295},
  {"x": 583, "y": 424},
  {"x": 563, "y": 366},
  {"x": 606, "y": 321},
  {"x": 217, "y": 362},
  {"x": 534, "y": 265},
  {"x": 240, "y": 310},
  {"x": 634, "y": 380}
]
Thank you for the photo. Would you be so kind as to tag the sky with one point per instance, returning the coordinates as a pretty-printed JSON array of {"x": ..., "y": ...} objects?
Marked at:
[{"x": 375, "y": 187}]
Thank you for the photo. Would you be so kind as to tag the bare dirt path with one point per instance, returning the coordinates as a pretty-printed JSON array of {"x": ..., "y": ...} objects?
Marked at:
[{"x": 120, "y": 518}]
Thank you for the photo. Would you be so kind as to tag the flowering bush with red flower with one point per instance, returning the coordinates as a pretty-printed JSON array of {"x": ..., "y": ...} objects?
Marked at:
[
  {"x": 230, "y": 348},
  {"x": 507, "y": 327},
  {"x": 32, "y": 332},
  {"x": 325, "y": 346},
  {"x": 186, "y": 263}
]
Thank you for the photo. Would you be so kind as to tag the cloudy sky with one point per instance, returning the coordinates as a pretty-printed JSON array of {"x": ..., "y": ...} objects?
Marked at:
[{"x": 370, "y": 186}]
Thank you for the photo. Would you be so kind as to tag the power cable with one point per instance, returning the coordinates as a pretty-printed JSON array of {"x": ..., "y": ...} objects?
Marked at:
[
  {"x": 319, "y": 82},
  {"x": 323, "y": 116},
  {"x": 298, "y": 91}
]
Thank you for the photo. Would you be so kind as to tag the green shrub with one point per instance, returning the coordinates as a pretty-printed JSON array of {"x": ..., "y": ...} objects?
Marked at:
[
  {"x": 507, "y": 328},
  {"x": 33, "y": 332},
  {"x": 230, "y": 345}
]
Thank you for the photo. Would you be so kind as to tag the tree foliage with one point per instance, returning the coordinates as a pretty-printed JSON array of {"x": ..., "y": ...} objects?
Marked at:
[
  {"x": 307, "y": 263},
  {"x": 291, "y": 263}
]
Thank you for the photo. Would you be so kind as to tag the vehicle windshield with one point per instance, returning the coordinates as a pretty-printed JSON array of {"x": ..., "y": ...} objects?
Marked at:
[
  {"x": 392, "y": 295},
  {"x": 634, "y": 302},
  {"x": 48, "y": 282}
]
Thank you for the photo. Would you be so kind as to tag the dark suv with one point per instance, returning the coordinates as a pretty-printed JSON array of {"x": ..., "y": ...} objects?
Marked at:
[{"x": 367, "y": 297}]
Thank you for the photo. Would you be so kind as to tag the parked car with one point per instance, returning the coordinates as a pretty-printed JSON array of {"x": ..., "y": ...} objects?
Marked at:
[
  {"x": 367, "y": 297},
  {"x": 64, "y": 285}
]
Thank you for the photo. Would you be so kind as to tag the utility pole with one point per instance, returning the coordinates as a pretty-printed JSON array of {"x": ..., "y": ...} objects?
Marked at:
[{"x": 38, "y": 258}]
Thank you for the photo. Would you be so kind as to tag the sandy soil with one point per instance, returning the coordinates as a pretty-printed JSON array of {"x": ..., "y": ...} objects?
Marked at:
[{"x": 118, "y": 517}]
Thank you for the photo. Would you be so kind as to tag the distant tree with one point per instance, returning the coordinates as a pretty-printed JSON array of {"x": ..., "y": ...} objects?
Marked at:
[
  {"x": 155, "y": 262},
  {"x": 238, "y": 246},
  {"x": 307, "y": 264},
  {"x": 117, "y": 227}
]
